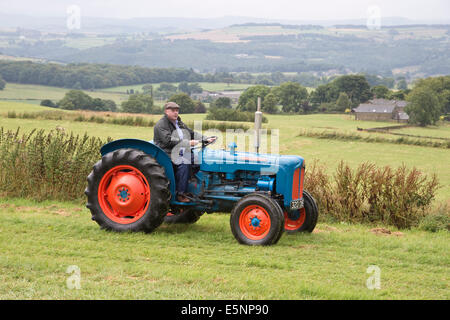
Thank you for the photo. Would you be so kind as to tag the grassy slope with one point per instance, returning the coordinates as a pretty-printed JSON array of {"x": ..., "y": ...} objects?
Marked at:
[
  {"x": 219, "y": 86},
  {"x": 23, "y": 91},
  {"x": 39, "y": 241},
  {"x": 203, "y": 261}
]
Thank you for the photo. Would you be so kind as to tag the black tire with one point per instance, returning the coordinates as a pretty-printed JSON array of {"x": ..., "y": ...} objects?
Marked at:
[
  {"x": 311, "y": 215},
  {"x": 158, "y": 185},
  {"x": 186, "y": 216},
  {"x": 272, "y": 212}
]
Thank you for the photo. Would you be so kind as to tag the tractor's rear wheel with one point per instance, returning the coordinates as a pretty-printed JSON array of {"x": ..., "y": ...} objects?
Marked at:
[
  {"x": 302, "y": 220},
  {"x": 128, "y": 191},
  {"x": 257, "y": 219},
  {"x": 183, "y": 215}
]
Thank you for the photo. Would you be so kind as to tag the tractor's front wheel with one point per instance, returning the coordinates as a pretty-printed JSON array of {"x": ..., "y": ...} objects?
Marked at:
[
  {"x": 128, "y": 191},
  {"x": 257, "y": 219},
  {"x": 304, "y": 219}
]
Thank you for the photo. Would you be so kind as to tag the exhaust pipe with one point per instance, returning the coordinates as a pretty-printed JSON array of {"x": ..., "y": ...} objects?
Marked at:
[{"x": 258, "y": 123}]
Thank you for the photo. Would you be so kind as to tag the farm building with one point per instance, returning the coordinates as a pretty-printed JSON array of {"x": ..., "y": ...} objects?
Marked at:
[
  {"x": 207, "y": 96},
  {"x": 382, "y": 110}
]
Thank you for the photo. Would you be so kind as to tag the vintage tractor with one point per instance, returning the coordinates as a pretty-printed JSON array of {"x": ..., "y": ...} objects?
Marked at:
[{"x": 132, "y": 188}]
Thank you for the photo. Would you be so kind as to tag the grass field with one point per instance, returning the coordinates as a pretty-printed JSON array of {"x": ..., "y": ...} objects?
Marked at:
[
  {"x": 209, "y": 86},
  {"x": 236, "y": 33},
  {"x": 36, "y": 93},
  {"x": 39, "y": 241}
]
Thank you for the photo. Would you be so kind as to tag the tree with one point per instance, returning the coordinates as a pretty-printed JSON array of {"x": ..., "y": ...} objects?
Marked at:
[
  {"x": 200, "y": 107},
  {"x": 139, "y": 103},
  {"x": 110, "y": 105},
  {"x": 184, "y": 87},
  {"x": 324, "y": 94},
  {"x": 270, "y": 103},
  {"x": 397, "y": 95},
  {"x": 2, "y": 83},
  {"x": 133, "y": 106},
  {"x": 148, "y": 89},
  {"x": 164, "y": 86},
  {"x": 402, "y": 85},
  {"x": 222, "y": 102},
  {"x": 292, "y": 96},
  {"x": 355, "y": 86},
  {"x": 343, "y": 102},
  {"x": 185, "y": 102},
  {"x": 195, "y": 88},
  {"x": 248, "y": 99},
  {"x": 48, "y": 103},
  {"x": 76, "y": 99},
  {"x": 380, "y": 92},
  {"x": 441, "y": 87},
  {"x": 423, "y": 108}
]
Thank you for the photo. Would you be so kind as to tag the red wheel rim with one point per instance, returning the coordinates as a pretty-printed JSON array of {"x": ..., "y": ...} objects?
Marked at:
[
  {"x": 124, "y": 194},
  {"x": 254, "y": 222},
  {"x": 292, "y": 225}
]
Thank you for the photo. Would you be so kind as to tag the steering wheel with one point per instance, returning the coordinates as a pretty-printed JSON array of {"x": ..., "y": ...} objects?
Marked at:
[{"x": 205, "y": 143}]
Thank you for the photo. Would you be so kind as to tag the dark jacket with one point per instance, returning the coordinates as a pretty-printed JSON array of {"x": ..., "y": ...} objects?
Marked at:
[{"x": 166, "y": 137}]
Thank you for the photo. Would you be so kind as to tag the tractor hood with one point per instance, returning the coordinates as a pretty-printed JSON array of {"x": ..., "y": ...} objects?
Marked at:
[{"x": 287, "y": 169}]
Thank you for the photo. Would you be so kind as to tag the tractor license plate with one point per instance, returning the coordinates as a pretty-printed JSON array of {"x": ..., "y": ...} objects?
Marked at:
[{"x": 297, "y": 204}]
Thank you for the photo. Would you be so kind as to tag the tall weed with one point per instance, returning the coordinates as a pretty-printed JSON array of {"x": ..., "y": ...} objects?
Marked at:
[
  {"x": 40, "y": 165},
  {"x": 400, "y": 197}
]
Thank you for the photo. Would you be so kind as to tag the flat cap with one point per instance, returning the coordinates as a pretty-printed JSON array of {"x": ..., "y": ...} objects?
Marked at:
[{"x": 171, "y": 105}]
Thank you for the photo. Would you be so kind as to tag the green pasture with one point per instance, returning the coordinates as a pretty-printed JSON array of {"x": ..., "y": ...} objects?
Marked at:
[
  {"x": 40, "y": 241},
  {"x": 217, "y": 86},
  {"x": 36, "y": 93},
  {"x": 88, "y": 42},
  {"x": 440, "y": 131}
]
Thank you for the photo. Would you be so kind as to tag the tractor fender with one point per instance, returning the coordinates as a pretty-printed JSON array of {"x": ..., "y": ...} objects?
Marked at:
[{"x": 149, "y": 148}]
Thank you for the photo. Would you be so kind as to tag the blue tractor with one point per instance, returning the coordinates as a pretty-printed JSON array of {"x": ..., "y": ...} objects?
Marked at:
[{"x": 132, "y": 188}]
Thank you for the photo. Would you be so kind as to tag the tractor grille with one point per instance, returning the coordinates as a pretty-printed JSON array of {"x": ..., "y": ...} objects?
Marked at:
[{"x": 297, "y": 183}]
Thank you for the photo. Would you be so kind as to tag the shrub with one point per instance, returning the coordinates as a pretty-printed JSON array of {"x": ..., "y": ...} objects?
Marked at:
[
  {"x": 185, "y": 102},
  {"x": 225, "y": 114},
  {"x": 78, "y": 100},
  {"x": 48, "y": 103},
  {"x": 369, "y": 194},
  {"x": 42, "y": 165},
  {"x": 437, "y": 221},
  {"x": 200, "y": 107}
]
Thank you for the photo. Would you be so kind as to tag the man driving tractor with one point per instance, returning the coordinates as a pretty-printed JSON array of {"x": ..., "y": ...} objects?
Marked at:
[{"x": 175, "y": 138}]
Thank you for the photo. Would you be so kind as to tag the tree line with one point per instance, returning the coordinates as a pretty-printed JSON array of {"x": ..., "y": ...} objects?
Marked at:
[
  {"x": 90, "y": 76},
  {"x": 428, "y": 100},
  {"x": 86, "y": 76}
]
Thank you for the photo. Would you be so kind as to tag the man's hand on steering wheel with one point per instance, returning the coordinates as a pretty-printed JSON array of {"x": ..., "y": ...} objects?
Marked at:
[
  {"x": 205, "y": 142},
  {"x": 211, "y": 140}
]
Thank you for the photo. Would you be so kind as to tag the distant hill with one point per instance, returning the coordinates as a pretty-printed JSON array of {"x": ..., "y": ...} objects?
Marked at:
[
  {"x": 174, "y": 24},
  {"x": 412, "y": 51}
]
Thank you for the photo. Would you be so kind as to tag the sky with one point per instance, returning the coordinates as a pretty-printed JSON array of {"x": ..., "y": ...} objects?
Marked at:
[{"x": 275, "y": 9}]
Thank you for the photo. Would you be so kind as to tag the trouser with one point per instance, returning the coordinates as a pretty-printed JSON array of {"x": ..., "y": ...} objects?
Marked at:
[{"x": 182, "y": 174}]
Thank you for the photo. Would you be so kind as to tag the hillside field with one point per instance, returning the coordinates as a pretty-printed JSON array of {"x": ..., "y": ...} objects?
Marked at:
[{"x": 40, "y": 242}]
